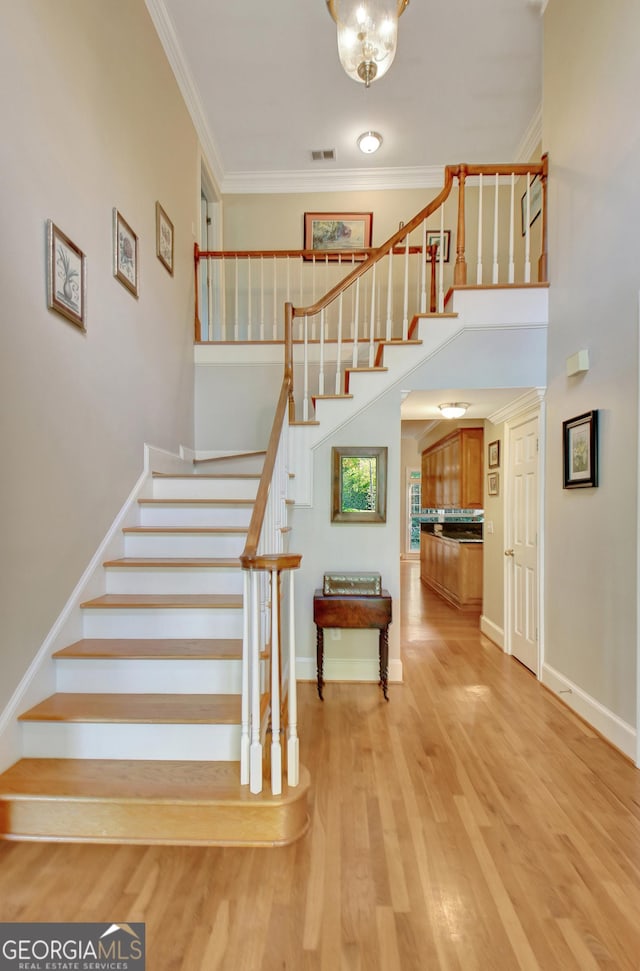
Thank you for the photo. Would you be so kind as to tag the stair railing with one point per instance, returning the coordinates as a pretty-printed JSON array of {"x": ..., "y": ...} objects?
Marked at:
[
  {"x": 269, "y": 622},
  {"x": 376, "y": 296}
]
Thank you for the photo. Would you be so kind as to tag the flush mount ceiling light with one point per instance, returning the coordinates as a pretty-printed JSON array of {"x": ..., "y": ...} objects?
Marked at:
[
  {"x": 453, "y": 409},
  {"x": 369, "y": 142},
  {"x": 367, "y": 35}
]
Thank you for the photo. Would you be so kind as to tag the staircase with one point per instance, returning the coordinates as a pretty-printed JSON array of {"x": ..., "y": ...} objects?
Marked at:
[{"x": 140, "y": 743}]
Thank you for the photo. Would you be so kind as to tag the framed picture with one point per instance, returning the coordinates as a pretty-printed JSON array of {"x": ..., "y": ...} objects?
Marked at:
[
  {"x": 535, "y": 204},
  {"x": 359, "y": 485},
  {"x": 580, "y": 451},
  {"x": 327, "y": 232},
  {"x": 125, "y": 253},
  {"x": 66, "y": 276},
  {"x": 493, "y": 455},
  {"x": 164, "y": 238},
  {"x": 493, "y": 484},
  {"x": 433, "y": 239}
]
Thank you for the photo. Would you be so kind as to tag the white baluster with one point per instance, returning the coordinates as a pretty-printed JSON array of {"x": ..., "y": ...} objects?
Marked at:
[
  {"x": 356, "y": 314},
  {"x": 255, "y": 773},
  {"x": 405, "y": 306},
  {"x": 275, "y": 298},
  {"x": 245, "y": 739},
  {"x": 276, "y": 748},
  {"x": 512, "y": 269},
  {"x": 495, "y": 234},
  {"x": 249, "y": 300},
  {"x": 423, "y": 291},
  {"x": 223, "y": 302},
  {"x": 339, "y": 352},
  {"x": 527, "y": 237},
  {"x": 262, "y": 298},
  {"x": 390, "y": 297},
  {"x": 305, "y": 390},
  {"x": 479, "y": 266},
  {"x": 293, "y": 753},
  {"x": 321, "y": 373},
  {"x": 313, "y": 297},
  {"x": 236, "y": 328},
  {"x": 372, "y": 318},
  {"x": 441, "y": 262}
]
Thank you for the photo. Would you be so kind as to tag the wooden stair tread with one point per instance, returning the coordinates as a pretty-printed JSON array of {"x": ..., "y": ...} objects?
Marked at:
[
  {"x": 214, "y": 476},
  {"x": 230, "y": 457},
  {"x": 330, "y": 397},
  {"x": 172, "y": 648},
  {"x": 196, "y": 502},
  {"x": 115, "y": 779},
  {"x": 227, "y": 562},
  {"x": 157, "y": 709},
  {"x": 209, "y": 530},
  {"x": 164, "y": 600}
]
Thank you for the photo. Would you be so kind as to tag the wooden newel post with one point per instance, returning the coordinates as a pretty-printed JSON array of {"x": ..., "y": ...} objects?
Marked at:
[
  {"x": 432, "y": 250},
  {"x": 543, "y": 269},
  {"x": 196, "y": 263},
  {"x": 460, "y": 271},
  {"x": 288, "y": 357}
]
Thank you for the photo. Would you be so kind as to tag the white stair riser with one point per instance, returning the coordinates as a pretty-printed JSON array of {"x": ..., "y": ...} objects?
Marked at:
[
  {"x": 167, "y": 580},
  {"x": 184, "y": 544},
  {"x": 195, "y": 515},
  {"x": 107, "y": 740},
  {"x": 195, "y": 488},
  {"x": 149, "y": 676},
  {"x": 164, "y": 622}
]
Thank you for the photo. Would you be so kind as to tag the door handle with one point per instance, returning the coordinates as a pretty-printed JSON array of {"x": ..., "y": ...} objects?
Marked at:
[{"x": 509, "y": 553}]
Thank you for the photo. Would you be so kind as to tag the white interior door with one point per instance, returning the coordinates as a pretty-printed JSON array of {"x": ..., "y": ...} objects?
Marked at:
[{"x": 522, "y": 551}]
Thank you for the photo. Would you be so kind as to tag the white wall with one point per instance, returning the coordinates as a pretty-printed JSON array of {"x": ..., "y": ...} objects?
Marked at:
[
  {"x": 92, "y": 119},
  {"x": 354, "y": 547},
  {"x": 592, "y": 133},
  {"x": 492, "y": 620}
]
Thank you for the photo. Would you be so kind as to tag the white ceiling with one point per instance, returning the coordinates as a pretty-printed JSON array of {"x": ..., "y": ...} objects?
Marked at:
[
  {"x": 264, "y": 86},
  {"x": 419, "y": 409}
]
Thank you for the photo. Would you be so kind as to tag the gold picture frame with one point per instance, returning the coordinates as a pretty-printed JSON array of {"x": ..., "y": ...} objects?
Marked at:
[{"x": 66, "y": 276}]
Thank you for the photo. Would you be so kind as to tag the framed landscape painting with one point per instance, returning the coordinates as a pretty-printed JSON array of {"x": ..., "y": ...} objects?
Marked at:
[{"x": 328, "y": 232}]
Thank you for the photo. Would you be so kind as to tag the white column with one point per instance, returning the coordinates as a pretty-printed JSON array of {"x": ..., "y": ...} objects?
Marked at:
[
  {"x": 293, "y": 755},
  {"x": 255, "y": 774},
  {"x": 276, "y": 748}
]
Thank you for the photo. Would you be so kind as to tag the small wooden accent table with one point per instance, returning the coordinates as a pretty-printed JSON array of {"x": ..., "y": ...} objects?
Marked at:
[{"x": 353, "y": 610}]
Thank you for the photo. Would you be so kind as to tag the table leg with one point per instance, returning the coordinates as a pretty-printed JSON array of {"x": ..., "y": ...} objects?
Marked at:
[
  {"x": 384, "y": 660},
  {"x": 320, "y": 659}
]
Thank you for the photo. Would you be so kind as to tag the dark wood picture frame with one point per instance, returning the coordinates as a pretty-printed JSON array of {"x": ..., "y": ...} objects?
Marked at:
[
  {"x": 493, "y": 455},
  {"x": 339, "y": 511},
  {"x": 327, "y": 232},
  {"x": 580, "y": 451},
  {"x": 433, "y": 239}
]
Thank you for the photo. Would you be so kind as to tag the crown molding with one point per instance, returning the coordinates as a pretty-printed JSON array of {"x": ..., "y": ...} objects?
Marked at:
[
  {"x": 341, "y": 180},
  {"x": 188, "y": 88},
  {"x": 529, "y": 401},
  {"x": 531, "y": 138}
]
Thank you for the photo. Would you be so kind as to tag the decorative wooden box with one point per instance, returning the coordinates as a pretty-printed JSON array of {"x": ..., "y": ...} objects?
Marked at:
[{"x": 360, "y": 584}]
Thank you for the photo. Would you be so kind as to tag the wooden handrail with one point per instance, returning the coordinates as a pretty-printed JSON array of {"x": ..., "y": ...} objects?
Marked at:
[
  {"x": 249, "y": 555},
  {"x": 449, "y": 174},
  {"x": 310, "y": 255}
]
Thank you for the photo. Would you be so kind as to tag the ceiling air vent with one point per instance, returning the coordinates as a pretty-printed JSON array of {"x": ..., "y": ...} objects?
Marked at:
[{"x": 323, "y": 154}]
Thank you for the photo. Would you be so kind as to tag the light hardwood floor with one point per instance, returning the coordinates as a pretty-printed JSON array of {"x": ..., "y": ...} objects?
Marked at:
[{"x": 471, "y": 823}]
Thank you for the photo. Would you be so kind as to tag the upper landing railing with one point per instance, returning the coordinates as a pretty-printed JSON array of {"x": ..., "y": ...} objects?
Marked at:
[{"x": 343, "y": 305}]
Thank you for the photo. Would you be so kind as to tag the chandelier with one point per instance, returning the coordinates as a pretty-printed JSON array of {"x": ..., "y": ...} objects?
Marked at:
[{"x": 367, "y": 35}]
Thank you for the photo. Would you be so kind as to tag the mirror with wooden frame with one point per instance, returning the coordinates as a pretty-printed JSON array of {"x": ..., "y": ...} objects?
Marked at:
[{"x": 359, "y": 485}]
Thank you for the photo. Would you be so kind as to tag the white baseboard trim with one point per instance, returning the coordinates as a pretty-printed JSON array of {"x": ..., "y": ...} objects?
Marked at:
[
  {"x": 605, "y": 722},
  {"x": 347, "y": 669},
  {"x": 39, "y": 680},
  {"x": 492, "y": 631}
]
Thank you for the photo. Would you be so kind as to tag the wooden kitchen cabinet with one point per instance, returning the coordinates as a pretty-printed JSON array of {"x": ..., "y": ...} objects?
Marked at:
[
  {"x": 452, "y": 471},
  {"x": 452, "y": 568}
]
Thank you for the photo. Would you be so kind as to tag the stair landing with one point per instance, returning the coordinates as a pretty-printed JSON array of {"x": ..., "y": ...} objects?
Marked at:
[{"x": 146, "y": 802}]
